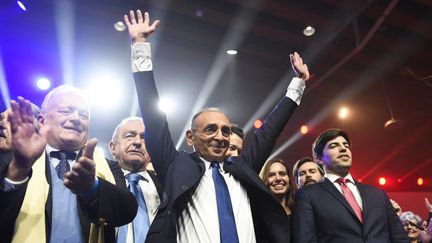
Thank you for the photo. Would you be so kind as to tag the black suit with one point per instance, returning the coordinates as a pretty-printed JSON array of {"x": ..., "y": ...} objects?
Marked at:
[
  {"x": 114, "y": 204},
  {"x": 180, "y": 173},
  {"x": 115, "y": 168},
  {"x": 322, "y": 214}
]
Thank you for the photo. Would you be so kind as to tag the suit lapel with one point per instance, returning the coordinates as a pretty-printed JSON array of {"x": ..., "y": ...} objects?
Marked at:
[
  {"x": 363, "y": 195},
  {"x": 156, "y": 183},
  {"x": 243, "y": 173},
  {"x": 328, "y": 185}
]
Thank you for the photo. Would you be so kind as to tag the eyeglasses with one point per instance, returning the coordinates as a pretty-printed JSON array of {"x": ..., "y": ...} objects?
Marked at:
[{"x": 409, "y": 223}]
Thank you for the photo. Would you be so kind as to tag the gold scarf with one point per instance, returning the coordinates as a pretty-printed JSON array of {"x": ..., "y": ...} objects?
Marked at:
[{"x": 30, "y": 223}]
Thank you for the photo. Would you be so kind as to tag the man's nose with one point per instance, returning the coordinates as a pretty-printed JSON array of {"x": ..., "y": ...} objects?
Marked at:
[
  {"x": 137, "y": 141},
  {"x": 74, "y": 116}
]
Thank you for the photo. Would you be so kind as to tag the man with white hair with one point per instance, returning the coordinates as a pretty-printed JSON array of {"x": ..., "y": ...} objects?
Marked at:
[{"x": 61, "y": 196}]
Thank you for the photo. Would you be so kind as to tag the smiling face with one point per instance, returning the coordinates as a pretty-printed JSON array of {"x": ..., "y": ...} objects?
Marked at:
[
  {"x": 66, "y": 119},
  {"x": 128, "y": 146},
  {"x": 337, "y": 157},
  {"x": 235, "y": 146},
  {"x": 210, "y": 135},
  {"x": 412, "y": 230},
  {"x": 278, "y": 180},
  {"x": 5, "y": 133}
]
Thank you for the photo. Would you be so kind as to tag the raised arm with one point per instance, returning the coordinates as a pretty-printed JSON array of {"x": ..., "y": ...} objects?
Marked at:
[
  {"x": 258, "y": 150},
  {"x": 157, "y": 135}
]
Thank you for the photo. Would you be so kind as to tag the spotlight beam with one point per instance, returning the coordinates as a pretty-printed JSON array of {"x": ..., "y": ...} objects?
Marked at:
[
  {"x": 313, "y": 50},
  {"x": 3, "y": 85},
  {"x": 418, "y": 167},
  {"x": 232, "y": 40},
  {"x": 64, "y": 20},
  {"x": 408, "y": 141}
]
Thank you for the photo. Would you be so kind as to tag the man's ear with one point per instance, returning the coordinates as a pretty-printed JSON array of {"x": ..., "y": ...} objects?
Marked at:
[
  {"x": 189, "y": 137},
  {"x": 41, "y": 120},
  {"x": 111, "y": 147}
]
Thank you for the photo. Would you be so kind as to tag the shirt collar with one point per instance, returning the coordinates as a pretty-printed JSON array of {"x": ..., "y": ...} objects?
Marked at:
[
  {"x": 333, "y": 177},
  {"x": 50, "y": 149},
  {"x": 144, "y": 174},
  {"x": 208, "y": 163}
]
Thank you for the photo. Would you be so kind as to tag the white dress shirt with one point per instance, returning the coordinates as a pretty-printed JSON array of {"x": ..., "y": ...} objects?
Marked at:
[{"x": 351, "y": 185}]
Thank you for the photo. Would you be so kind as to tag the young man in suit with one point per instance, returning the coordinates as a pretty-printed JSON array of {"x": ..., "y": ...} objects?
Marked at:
[
  {"x": 205, "y": 205},
  {"x": 128, "y": 148},
  {"x": 341, "y": 209},
  {"x": 67, "y": 194}
]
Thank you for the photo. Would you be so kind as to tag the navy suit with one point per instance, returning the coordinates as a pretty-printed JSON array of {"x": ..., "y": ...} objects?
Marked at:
[
  {"x": 322, "y": 214},
  {"x": 180, "y": 172}
]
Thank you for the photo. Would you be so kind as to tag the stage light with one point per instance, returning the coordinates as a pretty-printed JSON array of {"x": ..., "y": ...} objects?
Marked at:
[
  {"x": 165, "y": 105},
  {"x": 43, "y": 83},
  {"x": 106, "y": 90},
  {"x": 119, "y": 26},
  {"x": 399, "y": 180},
  {"x": 343, "y": 112},
  {"x": 231, "y": 52},
  {"x": 420, "y": 181},
  {"x": 382, "y": 181},
  {"x": 309, "y": 31},
  {"x": 304, "y": 129},
  {"x": 21, "y": 5},
  {"x": 257, "y": 123}
]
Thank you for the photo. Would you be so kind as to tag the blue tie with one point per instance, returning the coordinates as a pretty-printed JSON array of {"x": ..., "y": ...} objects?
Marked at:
[
  {"x": 141, "y": 222},
  {"x": 227, "y": 226}
]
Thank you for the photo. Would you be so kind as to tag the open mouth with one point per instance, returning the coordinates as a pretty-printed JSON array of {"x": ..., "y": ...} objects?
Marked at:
[{"x": 279, "y": 186}]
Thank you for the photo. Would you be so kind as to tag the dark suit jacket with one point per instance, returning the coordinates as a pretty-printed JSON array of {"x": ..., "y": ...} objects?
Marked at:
[
  {"x": 322, "y": 214},
  {"x": 115, "y": 168},
  {"x": 114, "y": 204},
  {"x": 181, "y": 172}
]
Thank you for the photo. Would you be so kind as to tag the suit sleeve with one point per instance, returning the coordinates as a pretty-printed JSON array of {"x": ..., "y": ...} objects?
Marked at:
[
  {"x": 157, "y": 135},
  {"x": 114, "y": 205},
  {"x": 10, "y": 204},
  {"x": 258, "y": 148},
  {"x": 303, "y": 222},
  {"x": 396, "y": 230}
]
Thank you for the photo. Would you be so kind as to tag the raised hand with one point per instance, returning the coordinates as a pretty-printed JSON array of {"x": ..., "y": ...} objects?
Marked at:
[
  {"x": 300, "y": 69},
  {"x": 82, "y": 177},
  {"x": 396, "y": 206},
  {"x": 27, "y": 144},
  {"x": 428, "y": 205},
  {"x": 140, "y": 28},
  {"x": 426, "y": 234}
]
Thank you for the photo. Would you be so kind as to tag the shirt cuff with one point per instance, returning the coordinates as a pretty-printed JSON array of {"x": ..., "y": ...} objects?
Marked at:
[
  {"x": 10, "y": 185},
  {"x": 295, "y": 89},
  {"x": 141, "y": 57}
]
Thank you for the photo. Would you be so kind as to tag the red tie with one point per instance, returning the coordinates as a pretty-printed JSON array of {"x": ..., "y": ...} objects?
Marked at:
[{"x": 349, "y": 196}]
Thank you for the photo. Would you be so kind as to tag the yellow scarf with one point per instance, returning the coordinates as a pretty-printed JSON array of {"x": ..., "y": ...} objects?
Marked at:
[{"x": 30, "y": 223}]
